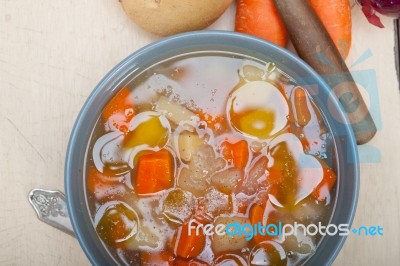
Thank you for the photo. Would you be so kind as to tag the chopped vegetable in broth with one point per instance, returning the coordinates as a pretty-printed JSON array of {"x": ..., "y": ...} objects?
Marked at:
[{"x": 191, "y": 157}]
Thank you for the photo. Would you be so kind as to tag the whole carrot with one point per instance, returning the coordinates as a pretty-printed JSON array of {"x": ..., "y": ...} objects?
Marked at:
[
  {"x": 260, "y": 18},
  {"x": 335, "y": 15},
  {"x": 312, "y": 41}
]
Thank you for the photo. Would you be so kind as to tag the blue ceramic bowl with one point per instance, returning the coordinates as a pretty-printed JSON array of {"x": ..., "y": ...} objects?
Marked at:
[{"x": 345, "y": 144}]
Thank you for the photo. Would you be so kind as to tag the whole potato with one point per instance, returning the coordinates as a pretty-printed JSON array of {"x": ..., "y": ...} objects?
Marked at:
[{"x": 166, "y": 17}]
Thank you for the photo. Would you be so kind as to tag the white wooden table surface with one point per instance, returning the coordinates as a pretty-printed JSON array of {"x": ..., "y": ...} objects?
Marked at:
[{"x": 53, "y": 53}]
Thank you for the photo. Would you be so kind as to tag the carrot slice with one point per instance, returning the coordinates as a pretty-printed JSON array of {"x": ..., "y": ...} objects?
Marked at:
[
  {"x": 154, "y": 172},
  {"x": 96, "y": 182},
  {"x": 260, "y": 18},
  {"x": 305, "y": 120},
  {"x": 336, "y": 17},
  {"x": 257, "y": 216},
  {"x": 236, "y": 153},
  {"x": 302, "y": 113},
  {"x": 189, "y": 244},
  {"x": 261, "y": 214},
  {"x": 119, "y": 111},
  {"x": 102, "y": 185}
]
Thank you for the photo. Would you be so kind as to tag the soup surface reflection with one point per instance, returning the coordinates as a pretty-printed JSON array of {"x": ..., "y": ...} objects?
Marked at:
[{"x": 201, "y": 159}]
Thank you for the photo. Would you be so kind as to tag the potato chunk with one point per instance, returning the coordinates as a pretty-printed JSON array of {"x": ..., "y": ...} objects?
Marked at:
[
  {"x": 188, "y": 143},
  {"x": 227, "y": 180},
  {"x": 226, "y": 242},
  {"x": 175, "y": 112},
  {"x": 178, "y": 206},
  {"x": 145, "y": 238},
  {"x": 214, "y": 204},
  {"x": 196, "y": 177}
]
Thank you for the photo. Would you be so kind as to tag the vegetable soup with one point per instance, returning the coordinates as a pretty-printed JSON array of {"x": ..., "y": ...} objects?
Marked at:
[{"x": 191, "y": 161}]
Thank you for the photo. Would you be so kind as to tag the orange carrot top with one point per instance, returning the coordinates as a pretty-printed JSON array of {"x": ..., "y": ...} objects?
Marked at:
[
  {"x": 336, "y": 17},
  {"x": 260, "y": 18}
]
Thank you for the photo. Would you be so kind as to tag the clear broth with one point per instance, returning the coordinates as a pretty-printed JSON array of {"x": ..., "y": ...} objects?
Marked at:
[{"x": 211, "y": 86}]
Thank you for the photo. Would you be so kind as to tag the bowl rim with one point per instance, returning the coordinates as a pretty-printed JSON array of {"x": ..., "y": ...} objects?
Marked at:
[{"x": 109, "y": 85}]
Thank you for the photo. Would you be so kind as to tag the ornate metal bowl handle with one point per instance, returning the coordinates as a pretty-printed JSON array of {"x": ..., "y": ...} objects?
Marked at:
[{"x": 51, "y": 208}]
